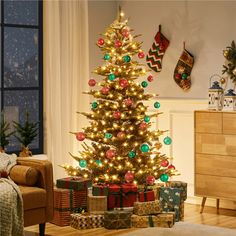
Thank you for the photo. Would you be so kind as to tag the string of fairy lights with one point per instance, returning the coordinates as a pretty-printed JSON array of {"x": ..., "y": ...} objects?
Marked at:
[{"x": 123, "y": 146}]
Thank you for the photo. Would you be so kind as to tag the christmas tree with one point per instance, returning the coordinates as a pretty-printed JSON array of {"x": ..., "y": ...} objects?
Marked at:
[{"x": 122, "y": 149}]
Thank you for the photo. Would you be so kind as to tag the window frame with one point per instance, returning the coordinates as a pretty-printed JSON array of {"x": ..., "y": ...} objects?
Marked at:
[{"x": 38, "y": 88}]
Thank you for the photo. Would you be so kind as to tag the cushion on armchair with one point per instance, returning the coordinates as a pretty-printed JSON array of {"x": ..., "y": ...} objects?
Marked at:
[{"x": 24, "y": 175}]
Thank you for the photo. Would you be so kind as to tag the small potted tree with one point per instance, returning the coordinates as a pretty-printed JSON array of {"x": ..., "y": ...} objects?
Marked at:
[
  {"x": 4, "y": 133},
  {"x": 26, "y": 133}
]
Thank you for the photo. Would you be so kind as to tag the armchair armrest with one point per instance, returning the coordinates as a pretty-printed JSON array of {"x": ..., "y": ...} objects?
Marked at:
[{"x": 45, "y": 180}]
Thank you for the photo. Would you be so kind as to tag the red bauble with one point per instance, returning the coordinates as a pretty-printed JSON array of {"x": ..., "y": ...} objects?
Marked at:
[
  {"x": 178, "y": 76},
  {"x": 150, "y": 180},
  {"x": 171, "y": 167},
  {"x": 128, "y": 102},
  {"x": 80, "y": 136},
  {"x": 141, "y": 55},
  {"x": 92, "y": 82},
  {"x": 143, "y": 126},
  {"x": 150, "y": 78},
  {"x": 118, "y": 44},
  {"x": 110, "y": 153},
  {"x": 129, "y": 177},
  {"x": 164, "y": 163},
  {"x": 117, "y": 115},
  {"x": 125, "y": 33},
  {"x": 123, "y": 83},
  {"x": 121, "y": 135},
  {"x": 101, "y": 42},
  {"x": 105, "y": 90}
]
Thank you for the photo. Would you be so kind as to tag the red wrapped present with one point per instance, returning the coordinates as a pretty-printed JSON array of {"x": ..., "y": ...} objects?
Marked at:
[
  {"x": 76, "y": 183},
  {"x": 67, "y": 201},
  {"x": 146, "y": 196},
  {"x": 123, "y": 195}
]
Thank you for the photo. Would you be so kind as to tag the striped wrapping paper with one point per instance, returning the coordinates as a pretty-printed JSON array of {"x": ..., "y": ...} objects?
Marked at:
[{"x": 67, "y": 201}]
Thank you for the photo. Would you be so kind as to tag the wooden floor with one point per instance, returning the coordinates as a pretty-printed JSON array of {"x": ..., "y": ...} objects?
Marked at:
[{"x": 225, "y": 218}]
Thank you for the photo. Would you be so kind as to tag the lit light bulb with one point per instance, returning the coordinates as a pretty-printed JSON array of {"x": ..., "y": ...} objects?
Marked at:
[
  {"x": 114, "y": 177},
  {"x": 110, "y": 164},
  {"x": 140, "y": 171},
  {"x": 95, "y": 129},
  {"x": 74, "y": 173},
  {"x": 125, "y": 144},
  {"x": 107, "y": 103},
  {"x": 96, "y": 179},
  {"x": 103, "y": 68},
  {"x": 102, "y": 154},
  {"x": 122, "y": 14},
  {"x": 106, "y": 161},
  {"x": 119, "y": 167},
  {"x": 131, "y": 128},
  {"x": 99, "y": 146},
  {"x": 108, "y": 42},
  {"x": 139, "y": 160},
  {"x": 136, "y": 144},
  {"x": 85, "y": 175}
]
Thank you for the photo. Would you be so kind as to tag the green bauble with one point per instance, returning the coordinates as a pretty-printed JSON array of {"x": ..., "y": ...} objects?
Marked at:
[
  {"x": 98, "y": 162},
  {"x": 164, "y": 177},
  {"x": 107, "y": 57},
  {"x": 111, "y": 77},
  {"x": 167, "y": 140},
  {"x": 82, "y": 163},
  {"x": 132, "y": 154},
  {"x": 145, "y": 147},
  {"x": 144, "y": 84},
  {"x": 157, "y": 105},
  {"x": 126, "y": 58},
  {"x": 94, "y": 105},
  {"x": 184, "y": 76},
  {"x": 147, "y": 119},
  {"x": 108, "y": 135}
]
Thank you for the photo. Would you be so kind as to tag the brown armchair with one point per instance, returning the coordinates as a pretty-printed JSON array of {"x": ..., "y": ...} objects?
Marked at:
[{"x": 35, "y": 180}]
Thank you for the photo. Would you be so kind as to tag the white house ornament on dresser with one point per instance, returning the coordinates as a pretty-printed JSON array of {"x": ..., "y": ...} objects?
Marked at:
[
  {"x": 230, "y": 101},
  {"x": 215, "y": 97}
]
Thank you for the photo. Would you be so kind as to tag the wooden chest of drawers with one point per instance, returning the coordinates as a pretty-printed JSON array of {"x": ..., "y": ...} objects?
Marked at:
[{"x": 215, "y": 154}]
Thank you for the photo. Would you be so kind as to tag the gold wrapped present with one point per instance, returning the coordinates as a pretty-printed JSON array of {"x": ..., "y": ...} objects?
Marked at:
[
  {"x": 86, "y": 221},
  {"x": 117, "y": 219},
  {"x": 147, "y": 208},
  {"x": 97, "y": 204},
  {"x": 165, "y": 220}
]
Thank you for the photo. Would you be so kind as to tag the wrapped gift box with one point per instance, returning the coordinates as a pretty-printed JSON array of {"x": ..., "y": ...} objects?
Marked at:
[
  {"x": 86, "y": 221},
  {"x": 117, "y": 219},
  {"x": 100, "y": 189},
  {"x": 123, "y": 195},
  {"x": 129, "y": 209},
  {"x": 147, "y": 208},
  {"x": 181, "y": 185},
  {"x": 146, "y": 196},
  {"x": 165, "y": 220},
  {"x": 67, "y": 201},
  {"x": 170, "y": 200},
  {"x": 97, "y": 204},
  {"x": 76, "y": 183}
]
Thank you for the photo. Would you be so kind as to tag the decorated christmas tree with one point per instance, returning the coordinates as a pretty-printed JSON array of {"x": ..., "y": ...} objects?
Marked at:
[{"x": 122, "y": 147}]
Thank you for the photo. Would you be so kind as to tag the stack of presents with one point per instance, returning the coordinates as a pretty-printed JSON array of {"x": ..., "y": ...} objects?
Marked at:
[{"x": 82, "y": 205}]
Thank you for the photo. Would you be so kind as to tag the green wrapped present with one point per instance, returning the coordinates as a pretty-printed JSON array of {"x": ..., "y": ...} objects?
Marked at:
[
  {"x": 117, "y": 219},
  {"x": 170, "y": 200},
  {"x": 181, "y": 185},
  {"x": 76, "y": 183}
]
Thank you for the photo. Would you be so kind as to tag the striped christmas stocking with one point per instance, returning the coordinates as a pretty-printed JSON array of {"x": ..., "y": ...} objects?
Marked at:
[
  {"x": 157, "y": 51},
  {"x": 183, "y": 70}
]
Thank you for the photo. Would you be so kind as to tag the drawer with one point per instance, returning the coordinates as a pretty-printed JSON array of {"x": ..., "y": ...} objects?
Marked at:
[
  {"x": 215, "y": 165},
  {"x": 208, "y": 122},
  {"x": 229, "y": 123},
  {"x": 219, "y": 144},
  {"x": 215, "y": 186}
]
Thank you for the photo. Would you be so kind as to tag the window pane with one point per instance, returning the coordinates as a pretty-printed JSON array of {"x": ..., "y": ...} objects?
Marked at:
[
  {"x": 16, "y": 103},
  {"x": 21, "y": 12},
  {"x": 20, "y": 57}
]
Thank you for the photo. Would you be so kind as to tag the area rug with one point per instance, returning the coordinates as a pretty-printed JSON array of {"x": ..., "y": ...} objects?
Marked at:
[{"x": 184, "y": 229}]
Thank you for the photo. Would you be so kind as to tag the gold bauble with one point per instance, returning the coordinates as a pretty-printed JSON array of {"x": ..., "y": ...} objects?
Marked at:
[
  {"x": 222, "y": 80},
  {"x": 225, "y": 53}
]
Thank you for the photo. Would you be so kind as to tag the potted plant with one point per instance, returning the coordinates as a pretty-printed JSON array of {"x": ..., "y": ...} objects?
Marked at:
[
  {"x": 4, "y": 133},
  {"x": 26, "y": 133}
]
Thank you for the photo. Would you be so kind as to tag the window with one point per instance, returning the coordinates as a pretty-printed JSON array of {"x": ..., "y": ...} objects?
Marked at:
[{"x": 21, "y": 86}]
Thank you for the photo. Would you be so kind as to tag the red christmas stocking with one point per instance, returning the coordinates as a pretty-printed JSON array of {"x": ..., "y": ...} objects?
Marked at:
[
  {"x": 157, "y": 51},
  {"x": 183, "y": 70}
]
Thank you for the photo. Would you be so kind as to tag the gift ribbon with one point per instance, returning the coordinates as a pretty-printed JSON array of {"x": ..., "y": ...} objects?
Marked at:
[{"x": 150, "y": 221}]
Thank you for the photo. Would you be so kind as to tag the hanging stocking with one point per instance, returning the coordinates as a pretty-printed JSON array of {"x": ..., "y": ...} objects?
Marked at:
[
  {"x": 157, "y": 51},
  {"x": 183, "y": 70}
]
